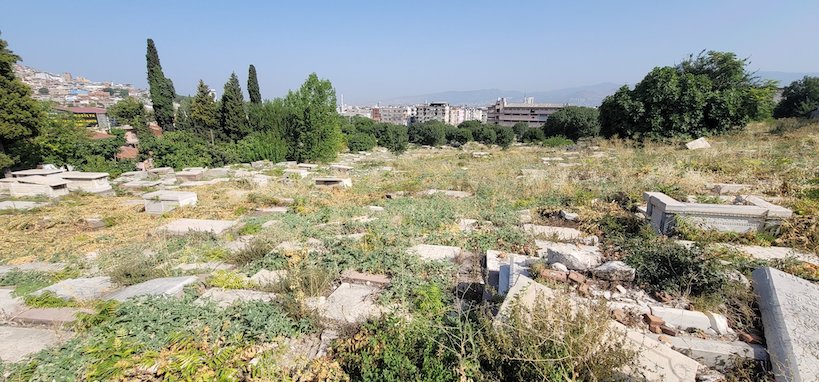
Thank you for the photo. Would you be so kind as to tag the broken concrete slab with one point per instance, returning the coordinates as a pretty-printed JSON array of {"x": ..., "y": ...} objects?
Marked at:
[
  {"x": 699, "y": 143},
  {"x": 21, "y": 342},
  {"x": 563, "y": 234},
  {"x": 775, "y": 253},
  {"x": 524, "y": 293},
  {"x": 49, "y": 316},
  {"x": 207, "y": 266},
  {"x": 790, "y": 307},
  {"x": 265, "y": 277},
  {"x": 435, "y": 252},
  {"x": 185, "y": 226},
  {"x": 226, "y": 297},
  {"x": 81, "y": 289},
  {"x": 355, "y": 277},
  {"x": 681, "y": 318},
  {"x": 34, "y": 267},
  {"x": 168, "y": 286},
  {"x": 20, "y": 205},
  {"x": 333, "y": 182},
  {"x": 656, "y": 361},
  {"x": 10, "y": 304},
  {"x": 615, "y": 271},
  {"x": 715, "y": 353},
  {"x": 160, "y": 202},
  {"x": 349, "y": 303},
  {"x": 576, "y": 257}
]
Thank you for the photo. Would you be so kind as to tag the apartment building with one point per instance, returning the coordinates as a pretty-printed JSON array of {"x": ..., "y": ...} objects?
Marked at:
[
  {"x": 436, "y": 111},
  {"x": 398, "y": 115},
  {"x": 506, "y": 113}
]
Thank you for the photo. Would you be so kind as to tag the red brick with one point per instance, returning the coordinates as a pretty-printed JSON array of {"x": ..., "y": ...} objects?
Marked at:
[
  {"x": 577, "y": 277},
  {"x": 653, "y": 320},
  {"x": 551, "y": 274}
]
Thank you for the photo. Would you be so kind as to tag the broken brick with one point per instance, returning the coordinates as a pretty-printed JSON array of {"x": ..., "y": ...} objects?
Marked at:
[
  {"x": 668, "y": 330},
  {"x": 651, "y": 319},
  {"x": 551, "y": 274},
  {"x": 749, "y": 338},
  {"x": 577, "y": 277}
]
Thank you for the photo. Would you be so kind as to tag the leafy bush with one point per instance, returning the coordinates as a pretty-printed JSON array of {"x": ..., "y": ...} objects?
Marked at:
[
  {"x": 665, "y": 266},
  {"x": 25, "y": 282},
  {"x": 484, "y": 134},
  {"x": 262, "y": 145},
  {"x": 533, "y": 135},
  {"x": 463, "y": 135},
  {"x": 228, "y": 279},
  {"x": 573, "y": 122},
  {"x": 504, "y": 136},
  {"x": 394, "y": 138},
  {"x": 799, "y": 99},
  {"x": 48, "y": 299},
  {"x": 557, "y": 141},
  {"x": 130, "y": 271},
  {"x": 520, "y": 129},
  {"x": 432, "y": 133},
  {"x": 360, "y": 142}
]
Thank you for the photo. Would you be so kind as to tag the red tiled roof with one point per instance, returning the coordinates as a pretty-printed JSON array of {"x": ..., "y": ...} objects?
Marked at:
[{"x": 127, "y": 152}]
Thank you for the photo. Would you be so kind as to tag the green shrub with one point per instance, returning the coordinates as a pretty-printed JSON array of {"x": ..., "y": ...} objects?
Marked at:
[
  {"x": 262, "y": 145},
  {"x": 47, "y": 299},
  {"x": 394, "y": 138},
  {"x": 360, "y": 142},
  {"x": 130, "y": 271},
  {"x": 484, "y": 134},
  {"x": 573, "y": 122},
  {"x": 557, "y": 141},
  {"x": 533, "y": 135},
  {"x": 227, "y": 279},
  {"x": 504, "y": 136},
  {"x": 25, "y": 282},
  {"x": 665, "y": 266},
  {"x": 432, "y": 133}
]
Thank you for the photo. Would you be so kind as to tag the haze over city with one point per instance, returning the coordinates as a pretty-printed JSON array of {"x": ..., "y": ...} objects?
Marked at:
[{"x": 375, "y": 51}]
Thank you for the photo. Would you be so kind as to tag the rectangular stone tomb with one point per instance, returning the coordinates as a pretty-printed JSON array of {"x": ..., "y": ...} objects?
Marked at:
[
  {"x": 185, "y": 226},
  {"x": 139, "y": 184},
  {"x": 92, "y": 182},
  {"x": 168, "y": 286},
  {"x": 190, "y": 175},
  {"x": 756, "y": 214},
  {"x": 21, "y": 342},
  {"x": 333, "y": 182},
  {"x": 81, "y": 289},
  {"x": 36, "y": 172},
  {"x": 37, "y": 185},
  {"x": 226, "y": 297},
  {"x": 790, "y": 308},
  {"x": 295, "y": 172},
  {"x": 340, "y": 167},
  {"x": 19, "y": 205},
  {"x": 435, "y": 252},
  {"x": 160, "y": 202}
]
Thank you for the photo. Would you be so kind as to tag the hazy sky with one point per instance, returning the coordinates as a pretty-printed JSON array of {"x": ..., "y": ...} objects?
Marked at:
[{"x": 374, "y": 50}]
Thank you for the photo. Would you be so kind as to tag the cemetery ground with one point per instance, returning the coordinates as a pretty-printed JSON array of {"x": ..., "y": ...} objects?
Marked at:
[{"x": 532, "y": 263}]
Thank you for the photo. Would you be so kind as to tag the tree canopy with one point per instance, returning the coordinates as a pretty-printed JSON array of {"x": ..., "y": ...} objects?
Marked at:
[
  {"x": 799, "y": 99},
  {"x": 161, "y": 89},
  {"x": 253, "y": 86},
  {"x": 203, "y": 114},
  {"x": 312, "y": 129},
  {"x": 232, "y": 116},
  {"x": 711, "y": 93},
  {"x": 129, "y": 111},
  {"x": 573, "y": 122},
  {"x": 20, "y": 115}
]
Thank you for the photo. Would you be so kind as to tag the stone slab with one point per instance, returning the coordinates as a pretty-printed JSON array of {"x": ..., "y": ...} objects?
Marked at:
[
  {"x": 576, "y": 257},
  {"x": 715, "y": 353},
  {"x": 355, "y": 277},
  {"x": 435, "y": 252},
  {"x": 10, "y": 304},
  {"x": 790, "y": 315},
  {"x": 49, "y": 316},
  {"x": 19, "y": 205},
  {"x": 17, "y": 343},
  {"x": 185, "y": 226},
  {"x": 265, "y": 277},
  {"x": 350, "y": 303},
  {"x": 656, "y": 361},
  {"x": 208, "y": 266},
  {"x": 564, "y": 234},
  {"x": 226, "y": 297},
  {"x": 681, "y": 318},
  {"x": 81, "y": 289},
  {"x": 524, "y": 293},
  {"x": 35, "y": 267},
  {"x": 333, "y": 182},
  {"x": 699, "y": 143},
  {"x": 168, "y": 286}
]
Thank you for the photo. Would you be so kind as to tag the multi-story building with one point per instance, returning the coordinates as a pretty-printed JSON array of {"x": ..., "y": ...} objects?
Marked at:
[
  {"x": 436, "y": 111},
  {"x": 509, "y": 113},
  {"x": 475, "y": 114},
  {"x": 456, "y": 115},
  {"x": 398, "y": 115},
  {"x": 375, "y": 114}
]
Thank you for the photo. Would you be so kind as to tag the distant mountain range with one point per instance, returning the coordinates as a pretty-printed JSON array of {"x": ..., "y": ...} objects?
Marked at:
[{"x": 591, "y": 95}]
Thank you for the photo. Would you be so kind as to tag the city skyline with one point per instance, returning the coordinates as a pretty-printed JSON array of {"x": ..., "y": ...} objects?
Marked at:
[{"x": 424, "y": 48}]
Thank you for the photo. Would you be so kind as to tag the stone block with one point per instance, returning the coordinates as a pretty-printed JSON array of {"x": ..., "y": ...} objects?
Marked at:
[
  {"x": 10, "y": 304},
  {"x": 81, "y": 289},
  {"x": 574, "y": 256},
  {"x": 375, "y": 208},
  {"x": 728, "y": 188},
  {"x": 342, "y": 168},
  {"x": 227, "y": 297},
  {"x": 349, "y": 303},
  {"x": 563, "y": 234},
  {"x": 790, "y": 315},
  {"x": 716, "y": 353},
  {"x": 656, "y": 361},
  {"x": 207, "y": 267},
  {"x": 17, "y": 343},
  {"x": 615, "y": 271},
  {"x": 185, "y": 226},
  {"x": 141, "y": 184},
  {"x": 435, "y": 252},
  {"x": 49, "y": 316},
  {"x": 91, "y": 182},
  {"x": 699, "y": 143},
  {"x": 681, "y": 318},
  {"x": 355, "y": 277},
  {"x": 161, "y": 171},
  {"x": 525, "y": 293},
  {"x": 192, "y": 174},
  {"x": 168, "y": 286},
  {"x": 333, "y": 182},
  {"x": 32, "y": 186},
  {"x": 265, "y": 278}
]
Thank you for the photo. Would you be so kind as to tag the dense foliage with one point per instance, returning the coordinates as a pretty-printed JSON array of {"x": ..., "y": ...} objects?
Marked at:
[
  {"x": 203, "y": 113},
  {"x": 161, "y": 89},
  {"x": 20, "y": 116},
  {"x": 708, "y": 94},
  {"x": 129, "y": 111},
  {"x": 253, "y": 86},
  {"x": 573, "y": 122},
  {"x": 311, "y": 128},
  {"x": 799, "y": 99},
  {"x": 232, "y": 116}
]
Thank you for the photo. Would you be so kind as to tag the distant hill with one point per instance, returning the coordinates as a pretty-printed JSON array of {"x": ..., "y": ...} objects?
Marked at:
[
  {"x": 784, "y": 78},
  {"x": 591, "y": 95}
]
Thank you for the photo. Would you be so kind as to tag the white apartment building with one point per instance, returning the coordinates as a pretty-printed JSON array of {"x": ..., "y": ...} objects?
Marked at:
[
  {"x": 398, "y": 115},
  {"x": 475, "y": 114},
  {"x": 436, "y": 111},
  {"x": 456, "y": 115},
  {"x": 509, "y": 113}
]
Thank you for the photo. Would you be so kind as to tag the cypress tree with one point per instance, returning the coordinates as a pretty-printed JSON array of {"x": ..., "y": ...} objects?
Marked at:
[
  {"x": 204, "y": 114},
  {"x": 253, "y": 86},
  {"x": 20, "y": 116},
  {"x": 161, "y": 89},
  {"x": 232, "y": 116}
]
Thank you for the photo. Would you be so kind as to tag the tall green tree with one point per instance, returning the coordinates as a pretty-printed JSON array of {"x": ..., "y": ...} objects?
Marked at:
[
  {"x": 253, "y": 86},
  {"x": 232, "y": 116},
  {"x": 21, "y": 117},
  {"x": 312, "y": 129},
  {"x": 129, "y": 111},
  {"x": 799, "y": 99},
  {"x": 161, "y": 89},
  {"x": 204, "y": 113},
  {"x": 573, "y": 122}
]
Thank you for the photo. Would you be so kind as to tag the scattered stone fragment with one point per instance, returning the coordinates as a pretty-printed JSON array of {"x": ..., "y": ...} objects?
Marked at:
[
  {"x": 574, "y": 256},
  {"x": 375, "y": 208},
  {"x": 10, "y": 304},
  {"x": 435, "y": 252},
  {"x": 551, "y": 274},
  {"x": 790, "y": 307},
  {"x": 36, "y": 267},
  {"x": 656, "y": 361},
  {"x": 168, "y": 286},
  {"x": 569, "y": 216},
  {"x": 17, "y": 343},
  {"x": 615, "y": 271},
  {"x": 226, "y": 297},
  {"x": 333, "y": 182},
  {"x": 559, "y": 267},
  {"x": 716, "y": 353},
  {"x": 681, "y": 318},
  {"x": 49, "y": 316},
  {"x": 185, "y": 226},
  {"x": 349, "y": 303},
  {"x": 355, "y": 277},
  {"x": 561, "y": 234},
  {"x": 524, "y": 293},
  {"x": 467, "y": 225},
  {"x": 448, "y": 193},
  {"x": 80, "y": 289},
  {"x": 577, "y": 277},
  {"x": 208, "y": 266},
  {"x": 749, "y": 338},
  {"x": 729, "y": 188},
  {"x": 699, "y": 143},
  {"x": 265, "y": 278}
]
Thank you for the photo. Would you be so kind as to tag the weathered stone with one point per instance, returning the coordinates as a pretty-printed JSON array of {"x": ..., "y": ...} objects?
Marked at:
[
  {"x": 91, "y": 182},
  {"x": 295, "y": 173},
  {"x": 208, "y": 266},
  {"x": 81, "y": 289},
  {"x": 448, "y": 193},
  {"x": 564, "y": 234},
  {"x": 790, "y": 307},
  {"x": 216, "y": 173},
  {"x": 341, "y": 167},
  {"x": 140, "y": 184},
  {"x": 355, "y": 277},
  {"x": 525, "y": 293},
  {"x": 307, "y": 166},
  {"x": 550, "y": 274},
  {"x": 615, "y": 271},
  {"x": 728, "y": 188},
  {"x": 375, "y": 208},
  {"x": 187, "y": 175},
  {"x": 226, "y": 297},
  {"x": 168, "y": 286},
  {"x": 559, "y": 267},
  {"x": 681, "y": 318},
  {"x": 161, "y": 171},
  {"x": 569, "y": 216},
  {"x": 775, "y": 253},
  {"x": 36, "y": 267},
  {"x": 160, "y": 202},
  {"x": 17, "y": 343},
  {"x": 699, "y": 143},
  {"x": 50, "y": 187},
  {"x": 265, "y": 278},
  {"x": 435, "y": 252},
  {"x": 185, "y": 226},
  {"x": 273, "y": 210},
  {"x": 94, "y": 223},
  {"x": 656, "y": 361},
  {"x": 36, "y": 172},
  {"x": 467, "y": 225},
  {"x": 577, "y": 277},
  {"x": 10, "y": 304},
  {"x": 349, "y": 303},
  {"x": 574, "y": 256},
  {"x": 19, "y": 205},
  {"x": 716, "y": 353},
  {"x": 49, "y": 316}
]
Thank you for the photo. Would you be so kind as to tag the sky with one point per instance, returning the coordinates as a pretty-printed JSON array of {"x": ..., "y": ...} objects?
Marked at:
[{"x": 374, "y": 50}]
